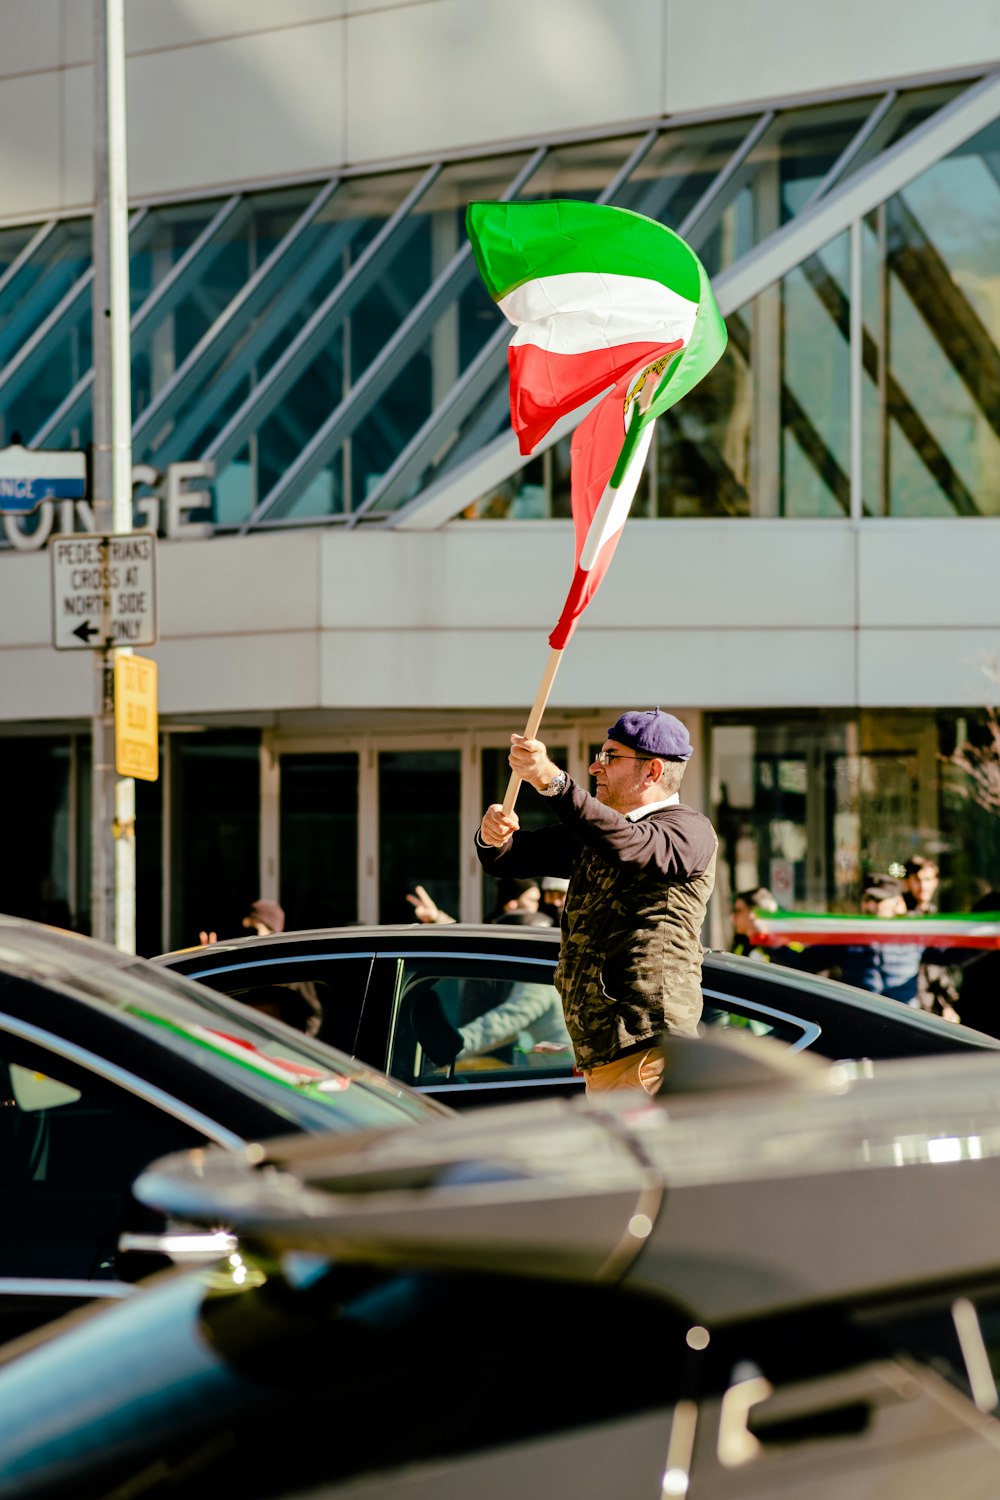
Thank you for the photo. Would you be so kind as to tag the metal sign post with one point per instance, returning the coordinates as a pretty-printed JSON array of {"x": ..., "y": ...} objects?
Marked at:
[{"x": 112, "y": 796}]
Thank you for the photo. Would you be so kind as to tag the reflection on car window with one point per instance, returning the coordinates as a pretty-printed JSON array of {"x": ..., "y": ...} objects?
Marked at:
[
  {"x": 71, "y": 1145},
  {"x": 465, "y": 1022},
  {"x": 727, "y": 1017},
  {"x": 330, "y": 1089}
]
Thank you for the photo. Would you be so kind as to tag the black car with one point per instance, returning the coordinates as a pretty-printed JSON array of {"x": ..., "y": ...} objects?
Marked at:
[
  {"x": 105, "y": 1063},
  {"x": 773, "y": 1282},
  {"x": 394, "y": 995}
]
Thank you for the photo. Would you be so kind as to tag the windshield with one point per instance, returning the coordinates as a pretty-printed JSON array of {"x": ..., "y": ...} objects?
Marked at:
[{"x": 311, "y": 1084}]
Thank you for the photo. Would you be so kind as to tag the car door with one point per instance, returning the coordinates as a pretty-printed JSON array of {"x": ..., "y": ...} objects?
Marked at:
[{"x": 71, "y": 1143}]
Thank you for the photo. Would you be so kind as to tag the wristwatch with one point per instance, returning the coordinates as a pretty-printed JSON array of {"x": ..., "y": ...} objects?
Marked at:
[{"x": 559, "y": 783}]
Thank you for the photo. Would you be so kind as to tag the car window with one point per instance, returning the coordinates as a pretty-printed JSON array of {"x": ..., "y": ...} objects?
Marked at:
[
  {"x": 729, "y": 1013},
  {"x": 462, "y": 1021},
  {"x": 325, "y": 989},
  {"x": 71, "y": 1145},
  {"x": 310, "y": 1084}
]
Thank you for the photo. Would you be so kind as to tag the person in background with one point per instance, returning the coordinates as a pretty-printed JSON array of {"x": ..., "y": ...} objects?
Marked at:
[
  {"x": 425, "y": 908},
  {"x": 554, "y": 889},
  {"x": 889, "y": 969},
  {"x": 744, "y": 928},
  {"x": 263, "y": 917},
  {"x": 518, "y": 904},
  {"x": 298, "y": 1005},
  {"x": 920, "y": 883}
]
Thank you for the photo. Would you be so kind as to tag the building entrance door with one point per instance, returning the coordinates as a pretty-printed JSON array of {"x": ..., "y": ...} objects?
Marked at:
[{"x": 780, "y": 813}]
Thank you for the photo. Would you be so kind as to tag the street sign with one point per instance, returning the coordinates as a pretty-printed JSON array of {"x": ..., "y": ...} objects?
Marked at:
[
  {"x": 30, "y": 475},
  {"x": 136, "y": 725},
  {"x": 103, "y": 590}
]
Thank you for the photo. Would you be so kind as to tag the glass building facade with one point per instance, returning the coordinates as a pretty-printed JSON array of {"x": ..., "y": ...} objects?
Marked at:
[{"x": 329, "y": 349}]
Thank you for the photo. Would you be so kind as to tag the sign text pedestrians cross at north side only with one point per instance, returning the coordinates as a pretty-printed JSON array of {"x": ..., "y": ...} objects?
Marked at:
[{"x": 103, "y": 590}]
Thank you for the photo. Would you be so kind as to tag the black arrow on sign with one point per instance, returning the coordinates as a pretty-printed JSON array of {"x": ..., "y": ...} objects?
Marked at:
[{"x": 85, "y": 631}]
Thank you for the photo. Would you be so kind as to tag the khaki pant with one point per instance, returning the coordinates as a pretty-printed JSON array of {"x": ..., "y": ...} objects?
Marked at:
[{"x": 639, "y": 1070}]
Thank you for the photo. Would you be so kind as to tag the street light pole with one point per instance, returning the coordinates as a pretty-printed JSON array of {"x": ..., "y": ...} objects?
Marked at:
[{"x": 112, "y": 796}]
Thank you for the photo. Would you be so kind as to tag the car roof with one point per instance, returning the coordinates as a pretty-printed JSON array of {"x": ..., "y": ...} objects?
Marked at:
[
  {"x": 374, "y": 932},
  {"x": 536, "y": 941}
]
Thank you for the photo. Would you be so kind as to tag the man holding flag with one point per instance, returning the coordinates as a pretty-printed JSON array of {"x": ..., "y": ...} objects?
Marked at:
[
  {"x": 641, "y": 867},
  {"x": 605, "y": 304}
]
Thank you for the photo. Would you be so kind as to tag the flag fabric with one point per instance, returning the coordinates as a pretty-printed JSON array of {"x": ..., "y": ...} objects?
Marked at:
[
  {"x": 958, "y": 930},
  {"x": 602, "y": 300}
]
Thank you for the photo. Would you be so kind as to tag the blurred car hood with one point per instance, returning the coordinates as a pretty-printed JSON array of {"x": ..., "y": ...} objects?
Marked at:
[{"x": 680, "y": 1194}]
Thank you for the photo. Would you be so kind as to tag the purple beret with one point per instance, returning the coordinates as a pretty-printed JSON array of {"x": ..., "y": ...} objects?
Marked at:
[{"x": 652, "y": 732}]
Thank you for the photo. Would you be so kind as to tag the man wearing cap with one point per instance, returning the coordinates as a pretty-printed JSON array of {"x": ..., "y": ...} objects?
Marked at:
[{"x": 641, "y": 867}]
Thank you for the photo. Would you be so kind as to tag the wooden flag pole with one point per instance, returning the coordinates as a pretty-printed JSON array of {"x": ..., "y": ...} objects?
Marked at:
[{"x": 534, "y": 719}]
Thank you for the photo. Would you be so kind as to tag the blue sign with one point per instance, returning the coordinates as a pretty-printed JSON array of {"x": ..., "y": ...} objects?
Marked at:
[{"x": 29, "y": 475}]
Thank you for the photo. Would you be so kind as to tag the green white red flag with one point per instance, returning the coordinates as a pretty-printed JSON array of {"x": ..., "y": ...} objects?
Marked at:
[
  {"x": 957, "y": 930},
  {"x": 602, "y": 300}
]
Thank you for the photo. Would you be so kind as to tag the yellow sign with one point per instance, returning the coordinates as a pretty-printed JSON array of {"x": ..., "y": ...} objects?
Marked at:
[{"x": 136, "y": 726}]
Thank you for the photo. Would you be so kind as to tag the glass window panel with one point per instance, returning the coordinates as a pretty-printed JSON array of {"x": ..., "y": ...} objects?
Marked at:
[
  {"x": 815, "y": 385},
  {"x": 61, "y": 258},
  {"x": 503, "y": 1027},
  {"x": 420, "y": 839},
  {"x": 679, "y": 167},
  {"x": 704, "y": 443},
  {"x": 158, "y": 243},
  {"x": 581, "y": 170},
  {"x": 215, "y": 833},
  {"x": 319, "y": 839},
  {"x": 905, "y": 114},
  {"x": 54, "y": 372},
  {"x": 416, "y": 256},
  {"x": 859, "y": 793},
  {"x": 38, "y": 833},
  {"x": 772, "y": 807},
  {"x": 13, "y": 241},
  {"x": 933, "y": 339},
  {"x": 307, "y": 274},
  {"x": 787, "y": 163}
]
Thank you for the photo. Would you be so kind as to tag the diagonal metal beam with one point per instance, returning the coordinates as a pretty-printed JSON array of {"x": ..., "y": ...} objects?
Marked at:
[
  {"x": 700, "y": 220},
  {"x": 397, "y": 352},
  {"x": 332, "y": 311},
  {"x": 950, "y": 317},
  {"x": 866, "y": 130},
  {"x": 898, "y": 404},
  {"x": 212, "y": 347},
  {"x": 26, "y": 253},
  {"x": 55, "y": 278},
  {"x": 473, "y": 386},
  {"x": 162, "y": 299},
  {"x": 18, "y": 370},
  {"x": 950, "y": 127}
]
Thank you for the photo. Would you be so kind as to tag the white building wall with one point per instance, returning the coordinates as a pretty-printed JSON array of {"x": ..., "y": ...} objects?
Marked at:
[
  {"x": 730, "y": 614},
  {"x": 238, "y": 91}
]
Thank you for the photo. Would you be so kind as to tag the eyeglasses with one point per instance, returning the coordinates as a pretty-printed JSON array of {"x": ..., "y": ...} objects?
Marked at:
[{"x": 605, "y": 757}]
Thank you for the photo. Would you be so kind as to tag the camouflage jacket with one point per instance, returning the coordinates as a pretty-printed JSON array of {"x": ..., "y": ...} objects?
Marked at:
[{"x": 630, "y": 958}]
